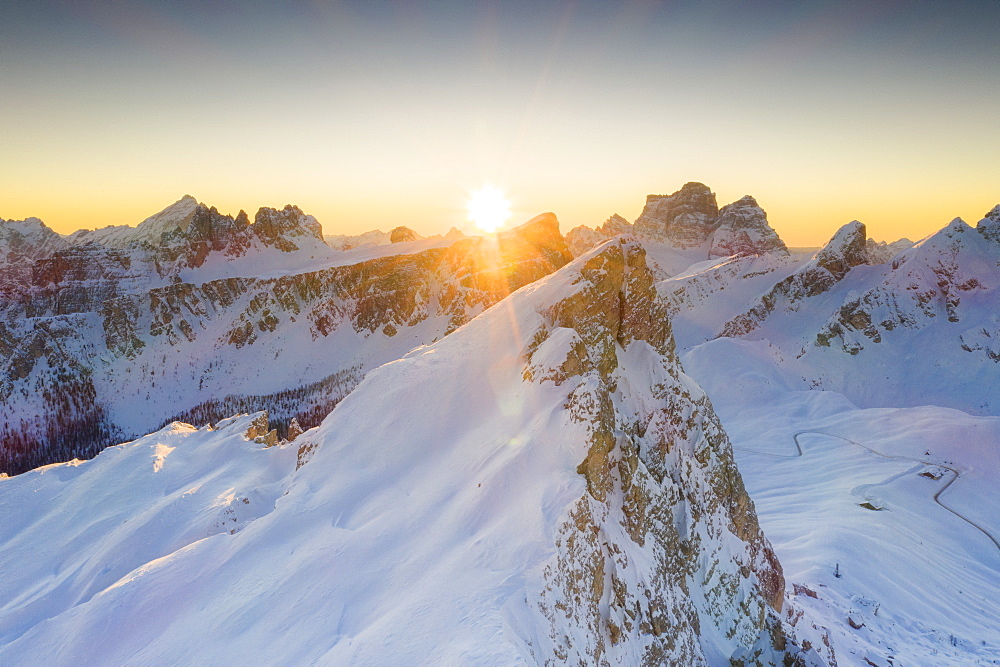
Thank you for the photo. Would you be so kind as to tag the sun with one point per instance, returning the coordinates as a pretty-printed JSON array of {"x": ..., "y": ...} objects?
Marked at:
[{"x": 488, "y": 208}]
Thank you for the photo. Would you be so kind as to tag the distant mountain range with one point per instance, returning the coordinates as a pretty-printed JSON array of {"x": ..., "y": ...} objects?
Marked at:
[
  {"x": 109, "y": 334},
  {"x": 388, "y": 449}
]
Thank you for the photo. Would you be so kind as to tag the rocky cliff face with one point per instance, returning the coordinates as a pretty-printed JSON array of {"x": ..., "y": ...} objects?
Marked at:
[
  {"x": 742, "y": 229},
  {"x": 690, "y": 219},
  {"x": 989, "y": 226},
  {"x": 581, "y": 239},
  {"x": 22, "y": 242},
  {"x": 91, "y": 310},
  {"x": 684, "y": 219},
  {"x": 663, "y": 557},
  {"x": 927, "y": 283},
  {"x": 846, "y": 250},
  {"x": 545, "y": 485}
]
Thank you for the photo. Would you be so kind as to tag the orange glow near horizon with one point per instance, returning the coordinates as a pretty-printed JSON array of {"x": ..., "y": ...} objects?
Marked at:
[
  {"x": 488, "y": 209},
  {"x": 801, "y": 217},
  {"x": 374, "y": 115}
]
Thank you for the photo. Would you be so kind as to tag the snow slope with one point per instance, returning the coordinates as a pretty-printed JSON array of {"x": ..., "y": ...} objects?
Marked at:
[
  {"x": 92, "y": 353},
  {"x": 517, "y": 492},
  {"x": 900, "y": 501},
  {"x": 920, "y": 329}
]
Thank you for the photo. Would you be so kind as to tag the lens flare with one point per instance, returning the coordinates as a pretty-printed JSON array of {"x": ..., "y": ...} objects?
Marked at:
[{"x": 488, "y": 208}]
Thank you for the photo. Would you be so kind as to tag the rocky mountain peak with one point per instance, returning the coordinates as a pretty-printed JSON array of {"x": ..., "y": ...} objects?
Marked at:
[
  {"x": 848, "y": 248},
  {"x": 26, "y": 240},
  {"x": 956, "y": 226},
  {"x": 691, "y": 219},
  {"x": 615, "y": 225},
  {"x": 402, "y": 234},
  {"x": 24, "y": 225},
  {"x": 742, "y": 229},
  {"x": 282, "y": 229},
  {"x": 989, "y": 226},
  {"x": 177, "y": 215},
  {"x": 684, "y": 218},
  {"x": 204, "y": 224},
  {"x": 659, "y": 471},
  {"x": 542, "y": 226}
]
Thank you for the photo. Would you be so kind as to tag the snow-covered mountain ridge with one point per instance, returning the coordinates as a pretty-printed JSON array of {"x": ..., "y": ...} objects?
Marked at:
[
  {"x": 567, "y": 495},
  {"x": 917, "y": 329},
  {"x": 99, "y": 346},
  {"x": 543, "y": 484}
]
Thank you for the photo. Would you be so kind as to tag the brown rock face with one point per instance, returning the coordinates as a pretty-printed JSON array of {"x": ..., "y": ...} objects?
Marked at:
[
  {"x": 742, "y": 229},
  {"x": 402, "y": 235},
  {"x": 685, "y": 218},
  {"x": 848, "y": 248},
  {"x": 665, "y": 510},
  {"x": 691, "y": 219},
  {"x": 425, "y": 295}
]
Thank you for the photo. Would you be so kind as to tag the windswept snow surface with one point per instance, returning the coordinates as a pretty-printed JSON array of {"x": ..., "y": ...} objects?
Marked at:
[
  {"x": 400, "y": 542},
  {"x": 919, "y": 571},
  {"x": 273, "y": 263},
  {"x": 411, "y": 527}
]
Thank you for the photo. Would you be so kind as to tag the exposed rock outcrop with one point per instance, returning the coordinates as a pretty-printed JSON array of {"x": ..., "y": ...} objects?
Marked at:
[
  {"x": 666, "y": 513},
  {"x": 690, "y": 219},
  {"x": 684, "y": 219},
  {"x": 186, "y": 233},
  {"x": 989, "y": 226},
  {"x": 581, "y": 239},
  {"x": 927, "y": 283},
  {"x": 742, "y": 229},
  {"x": 186, "y": 330},
  {"x": 402, "y": 235},
  {"x": 847, "y": 249}
]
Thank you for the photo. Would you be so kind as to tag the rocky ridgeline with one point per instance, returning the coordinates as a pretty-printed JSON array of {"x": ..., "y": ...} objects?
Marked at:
[
  {"x": 548, "y": 483},
  {"x": 690, "y": 219},
  {"x": 374, "y": 237},
  {"x": 882, "y": 252},
  {"x": 64, "y": 275},
  {"x": 848, "y": 248},
  {"x": 90, "y": 314},
  {"x": 950, "y": 277},
  {"x": 24, "y": 241},
  {"x": 581, "y": 239},
  {"x": 377, "y": 237},
  {"x": 376, "y": 296},
  {"x": 664, "y": 555},
  {"x": 928, "y": 283}
]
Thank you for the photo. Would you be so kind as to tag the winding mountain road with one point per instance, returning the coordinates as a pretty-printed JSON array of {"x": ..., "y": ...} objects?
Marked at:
[{"x": 955, "y": 473}]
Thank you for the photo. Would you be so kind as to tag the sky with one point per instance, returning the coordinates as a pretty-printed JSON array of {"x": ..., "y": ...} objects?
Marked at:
[{"x": 378, "y": 114}]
